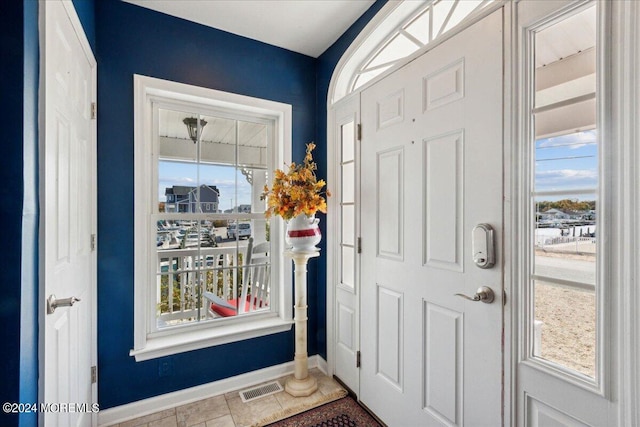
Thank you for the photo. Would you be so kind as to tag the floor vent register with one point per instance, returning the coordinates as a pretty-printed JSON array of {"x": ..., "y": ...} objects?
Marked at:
[{"x": 263, "y": 390}]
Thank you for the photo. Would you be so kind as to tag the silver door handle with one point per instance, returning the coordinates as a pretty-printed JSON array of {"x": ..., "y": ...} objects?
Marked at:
[
  {"x": 53, "y": 303},
  {"x": 484, "y": 294}
]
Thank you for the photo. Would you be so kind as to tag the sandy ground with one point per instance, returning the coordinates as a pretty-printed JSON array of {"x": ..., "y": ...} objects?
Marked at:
[{"x": 569, "y": 322}]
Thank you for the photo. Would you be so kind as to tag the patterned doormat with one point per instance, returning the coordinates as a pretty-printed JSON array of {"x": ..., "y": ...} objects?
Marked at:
[{"x": 340, "y": 413}]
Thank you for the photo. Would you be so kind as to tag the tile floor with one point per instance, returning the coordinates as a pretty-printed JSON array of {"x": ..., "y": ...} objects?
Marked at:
[{"x": 228, "y": 410}]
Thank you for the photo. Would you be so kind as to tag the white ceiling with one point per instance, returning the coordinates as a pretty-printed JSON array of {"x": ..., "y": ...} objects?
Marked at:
[{"x": 304, "y": 26}]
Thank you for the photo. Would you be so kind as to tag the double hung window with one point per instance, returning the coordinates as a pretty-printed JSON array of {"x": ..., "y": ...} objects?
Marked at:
[{"x": 202, "y": 159}]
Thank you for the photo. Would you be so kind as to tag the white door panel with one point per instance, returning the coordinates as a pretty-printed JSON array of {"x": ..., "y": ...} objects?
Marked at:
[
  {"x": 346, "y": 275},
  {"x": 432, "y": 156},
  {"x": 68, "y": 220}
]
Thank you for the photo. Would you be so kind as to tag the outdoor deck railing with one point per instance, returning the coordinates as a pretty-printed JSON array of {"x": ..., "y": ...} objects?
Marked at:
[
  {"x": 183, "y": 275},
  {"x": 576, "y": 244}
]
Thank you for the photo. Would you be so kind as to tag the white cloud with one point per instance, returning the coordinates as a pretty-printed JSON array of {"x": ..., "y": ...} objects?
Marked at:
[
  {"x": 571, "y": 141},
  {"x": 566, "y": 178},
  {"x": 219, "y": 182},
  {"x": 182, "y": 180}
]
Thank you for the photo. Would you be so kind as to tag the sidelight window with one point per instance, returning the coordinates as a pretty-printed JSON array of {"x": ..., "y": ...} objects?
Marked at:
[
  {"x": 565, "y": 225},
  {"x": 348, "y": 239}
]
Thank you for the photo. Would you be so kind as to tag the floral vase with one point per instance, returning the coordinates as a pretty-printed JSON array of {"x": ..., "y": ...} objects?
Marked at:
[{"x": 303, "y": 233}]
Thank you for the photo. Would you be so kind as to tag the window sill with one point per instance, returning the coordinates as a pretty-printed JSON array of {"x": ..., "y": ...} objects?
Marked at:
[{"x": 195, "y": 340}]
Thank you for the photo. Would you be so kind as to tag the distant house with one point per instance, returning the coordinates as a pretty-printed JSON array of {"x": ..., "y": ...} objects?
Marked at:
[
  {"x": 186, "y": 199},
  {"x": 174, "y": 196},
  {"x": 554, "y": 214},
  {"x": 239, "y": 209},
  {"x": 558, "y": 215}
]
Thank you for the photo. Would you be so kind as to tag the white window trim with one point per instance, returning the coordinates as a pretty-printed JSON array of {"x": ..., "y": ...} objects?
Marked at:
[
  {"x": 203, "y": 334},
  {"x": 525, "y": 244}
]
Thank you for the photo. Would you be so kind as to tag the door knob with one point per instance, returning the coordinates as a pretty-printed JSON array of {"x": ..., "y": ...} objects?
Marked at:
[
  {"x": 484, "y": 294},
  {"x": 53, "y": 303}
]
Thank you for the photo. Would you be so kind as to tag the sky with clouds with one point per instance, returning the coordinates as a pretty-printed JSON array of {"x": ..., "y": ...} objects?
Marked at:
[
  {"x": 567, "y": 162},
  {"x": 233, "y": 186},
  {"x": 563, "y": 163}
]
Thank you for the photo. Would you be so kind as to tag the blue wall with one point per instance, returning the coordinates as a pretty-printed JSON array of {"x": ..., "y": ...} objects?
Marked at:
[
  {"x": 86, "y": 12},
  {"x": 127, "y": 40},
  {"x": 131, "y": 39},
  {"x": 11, "y": 119}
]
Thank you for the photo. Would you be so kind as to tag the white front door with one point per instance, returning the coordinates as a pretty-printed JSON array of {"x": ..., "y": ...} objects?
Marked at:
[
  {"x": 432, "y": 171},
  {"x": 68, "y": 219}
]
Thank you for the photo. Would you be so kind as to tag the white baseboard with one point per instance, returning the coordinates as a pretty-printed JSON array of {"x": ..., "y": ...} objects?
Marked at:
[
  {"x": 319, "y": 363},
  {"x": 148, "y": 406}
]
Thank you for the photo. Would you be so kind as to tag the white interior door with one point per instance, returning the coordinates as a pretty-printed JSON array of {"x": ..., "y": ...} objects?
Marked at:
[
  {"x": 432, "y": 171},
  {"x": 68, "y": 218}
]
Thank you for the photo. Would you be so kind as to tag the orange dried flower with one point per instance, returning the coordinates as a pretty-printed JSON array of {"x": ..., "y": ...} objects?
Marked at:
[{"x": 297, "y": 191}]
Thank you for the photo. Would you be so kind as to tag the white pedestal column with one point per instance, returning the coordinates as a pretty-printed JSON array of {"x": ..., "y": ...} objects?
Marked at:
[{"x": 301, "y": 384}]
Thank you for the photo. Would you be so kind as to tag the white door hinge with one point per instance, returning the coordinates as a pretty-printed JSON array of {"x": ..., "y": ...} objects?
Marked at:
[
  {"x": 94, "y": 374},
  {"x": 358, "y": 359},
  {"x": 359, "y": 245},
  {"x": 93, "y": 242},
  {"x": 359, "y": 132},
  {"x": 94, "y": 111}
]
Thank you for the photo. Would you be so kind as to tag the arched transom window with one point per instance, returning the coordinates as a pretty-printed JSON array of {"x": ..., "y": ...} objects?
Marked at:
[{"x": 410, "y": 26}]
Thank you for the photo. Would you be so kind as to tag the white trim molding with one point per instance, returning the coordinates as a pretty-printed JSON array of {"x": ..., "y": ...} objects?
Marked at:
[{"x": 625, "y": 135}]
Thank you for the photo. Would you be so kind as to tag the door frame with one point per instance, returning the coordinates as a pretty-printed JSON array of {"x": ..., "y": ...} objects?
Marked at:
[
  {"x": 42, "y": 140},
  {"x": 623, "y": 102}
]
